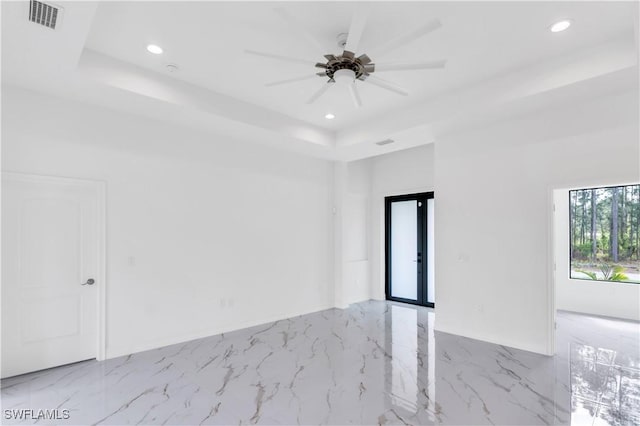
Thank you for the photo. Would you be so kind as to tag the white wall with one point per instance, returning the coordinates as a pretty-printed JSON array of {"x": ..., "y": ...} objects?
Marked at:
[
  {"x": 356, "y": 232},
  {"x": 402, "y": 172},
  {"x": 352, "y": 182},
  {"x": 612, "y": 299},
  {"x": 204, "y": 235},
  {"x": 494, "y": 198}
]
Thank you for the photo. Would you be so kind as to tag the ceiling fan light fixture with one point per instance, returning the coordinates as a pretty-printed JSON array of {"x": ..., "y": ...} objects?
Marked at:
[
  {"x": 345, "y": 76},
  {"x": 560, "y": 26}
]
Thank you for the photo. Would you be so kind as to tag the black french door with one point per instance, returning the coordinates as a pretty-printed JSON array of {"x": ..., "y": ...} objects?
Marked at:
[{"x": 409, "y": 248}]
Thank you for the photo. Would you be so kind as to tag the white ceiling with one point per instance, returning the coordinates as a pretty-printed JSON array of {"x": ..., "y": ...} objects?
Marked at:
[
  {"x": 479, "y": 40},
  {"x": 499, "y": 47}
]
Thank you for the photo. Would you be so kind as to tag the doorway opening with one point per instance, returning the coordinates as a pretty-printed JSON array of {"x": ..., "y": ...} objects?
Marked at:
[{"x": 409, "y": 249}]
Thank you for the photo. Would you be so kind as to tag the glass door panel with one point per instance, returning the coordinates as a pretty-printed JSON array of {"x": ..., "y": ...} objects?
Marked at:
[{"x": 404, "y": 247}]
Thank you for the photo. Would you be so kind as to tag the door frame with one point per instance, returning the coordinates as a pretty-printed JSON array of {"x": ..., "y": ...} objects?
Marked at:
[
  {"x": 422, "y": 231},
  {"x": 101, "y": 275}
]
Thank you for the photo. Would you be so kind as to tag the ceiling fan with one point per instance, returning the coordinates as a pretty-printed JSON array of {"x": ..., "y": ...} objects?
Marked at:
[{"x": 347, "y": 68}]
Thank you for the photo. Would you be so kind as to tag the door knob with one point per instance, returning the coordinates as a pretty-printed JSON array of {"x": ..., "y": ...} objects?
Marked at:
[{"x": 90, "y": 281}]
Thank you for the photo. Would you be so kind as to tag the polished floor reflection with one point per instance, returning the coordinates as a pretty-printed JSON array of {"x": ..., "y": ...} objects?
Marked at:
[
  {"x": 604, "y": 370},
  {"x": 373, "y": 363}
]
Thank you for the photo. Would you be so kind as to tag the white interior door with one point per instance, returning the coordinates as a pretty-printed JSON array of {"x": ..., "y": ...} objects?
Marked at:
[{"x": 51, "y": 250}]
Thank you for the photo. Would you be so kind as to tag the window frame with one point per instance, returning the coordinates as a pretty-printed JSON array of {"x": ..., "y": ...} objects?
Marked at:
[{"x": 569, "y": 234}]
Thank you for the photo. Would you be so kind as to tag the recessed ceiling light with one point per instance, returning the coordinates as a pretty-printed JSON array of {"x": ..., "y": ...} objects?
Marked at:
[
  {"x": 155, "y": 49},
  {"x": 560, "y": 26},
  {"x": 329, "y": 116}
]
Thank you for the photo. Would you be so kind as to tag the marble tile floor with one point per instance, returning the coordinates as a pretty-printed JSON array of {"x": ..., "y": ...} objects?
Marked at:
[{"x": 373, "y": 363}]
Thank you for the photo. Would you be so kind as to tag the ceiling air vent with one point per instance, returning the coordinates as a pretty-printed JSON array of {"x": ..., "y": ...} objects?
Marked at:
[
  {"x": 44, "y": 14},
  {"x": 385, "y": 142}
]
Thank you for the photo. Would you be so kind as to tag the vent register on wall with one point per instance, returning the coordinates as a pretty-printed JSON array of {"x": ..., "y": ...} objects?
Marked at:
[{"x": 45, "y": 14}]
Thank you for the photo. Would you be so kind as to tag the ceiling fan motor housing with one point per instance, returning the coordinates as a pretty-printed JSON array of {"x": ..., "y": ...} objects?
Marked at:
[{"x": 361, "y": 66}]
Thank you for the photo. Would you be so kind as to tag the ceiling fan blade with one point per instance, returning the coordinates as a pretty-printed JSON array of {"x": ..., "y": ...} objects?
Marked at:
[
  {"x": 279, "y": 57},
  {"x": 406, "y": 67},
  {"x": 358, "y": 22},
  {"x": 355, "y": 95},
  {"x": 364, "y": 59},
  {"x": 319, "y": 93},
  {"x": 299, "y": 28},
  {"x": 290, "y": 80},
  {"x": 386, "y": 85},
  {"x": 407, "y": 38}
]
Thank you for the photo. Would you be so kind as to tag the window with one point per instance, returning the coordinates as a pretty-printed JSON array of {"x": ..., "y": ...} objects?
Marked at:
[{"x": 604, "y": 233}]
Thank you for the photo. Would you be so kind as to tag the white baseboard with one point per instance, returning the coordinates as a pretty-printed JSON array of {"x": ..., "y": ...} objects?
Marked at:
[
  {"x": 491, "y": 339},
  {"x": 114, "y": 352},
  {"x": 352, "y": 302}
]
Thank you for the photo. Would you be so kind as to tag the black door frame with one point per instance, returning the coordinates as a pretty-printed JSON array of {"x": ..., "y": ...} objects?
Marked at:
[{"x": 421, "y": 249}]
